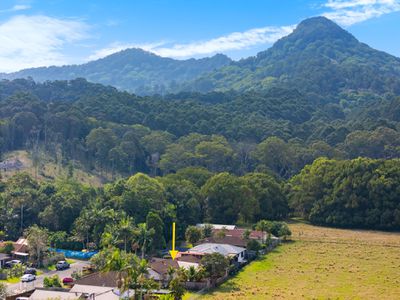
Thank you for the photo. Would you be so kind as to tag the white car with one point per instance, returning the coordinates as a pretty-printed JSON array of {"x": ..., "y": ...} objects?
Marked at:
[
  {"x": 15, "y": 261},
  {"x": 28, "y": 278}
]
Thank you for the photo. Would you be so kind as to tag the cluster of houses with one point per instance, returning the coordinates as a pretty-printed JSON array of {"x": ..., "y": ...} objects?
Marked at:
[{"x": 231, "y": 244}]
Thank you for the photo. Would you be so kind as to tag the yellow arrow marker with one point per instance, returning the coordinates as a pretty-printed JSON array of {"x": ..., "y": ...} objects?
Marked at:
[{"x": 173, "y": 252}]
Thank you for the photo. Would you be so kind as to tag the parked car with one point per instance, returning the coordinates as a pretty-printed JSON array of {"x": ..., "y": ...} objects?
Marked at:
[
  {"x": 28, "y": 277},
  {"x": 62, "y": 265},
  {"x": 67, "y": 280},
  {"x": 30, "y": 271},
  {"x": 12, "y": 263}
]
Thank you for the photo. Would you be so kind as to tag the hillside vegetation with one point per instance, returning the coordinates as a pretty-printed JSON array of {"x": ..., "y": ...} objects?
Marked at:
[
  {"x": 321, "y": 263},
  {"x": 318, "y": 57}
]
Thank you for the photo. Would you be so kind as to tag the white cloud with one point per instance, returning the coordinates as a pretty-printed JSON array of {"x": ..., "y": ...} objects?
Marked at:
[
  {"x": 349, "y": 12},
  {"x": 232, "y": 41},
  {"x": 33, "y": 41},
  {"x": 17, "y": 7}
]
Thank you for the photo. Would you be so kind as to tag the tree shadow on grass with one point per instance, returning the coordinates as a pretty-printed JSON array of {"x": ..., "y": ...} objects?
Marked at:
[{"x": 227, "y": 287}]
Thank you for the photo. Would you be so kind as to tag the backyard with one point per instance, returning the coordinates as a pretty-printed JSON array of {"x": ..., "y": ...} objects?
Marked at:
[{"x": 321, "y": 263}]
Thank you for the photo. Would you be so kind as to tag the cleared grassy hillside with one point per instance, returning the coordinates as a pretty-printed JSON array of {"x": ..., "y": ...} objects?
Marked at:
[{"x": 46, "y": 169}]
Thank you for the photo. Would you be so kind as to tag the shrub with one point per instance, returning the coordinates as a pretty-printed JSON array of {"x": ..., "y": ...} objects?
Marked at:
[
  {"x": 53, "y": 281},
  {"x": 7, "y": 248},
  {"x": 193, "y": 234},
  {"x": 53, "y": 258},
  {"x": 253, "y": 245}
]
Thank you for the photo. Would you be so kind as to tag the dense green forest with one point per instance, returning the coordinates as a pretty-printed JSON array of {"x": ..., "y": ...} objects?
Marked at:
[
  {"x": 87, "y": 214},
  {"x": 278, "y": 131},
  {"x": 357, "y": 193},
  {"x": 236, "y": 154}
]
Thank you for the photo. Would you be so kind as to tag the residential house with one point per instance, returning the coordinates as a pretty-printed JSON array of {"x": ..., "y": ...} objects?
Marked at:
[
  {"x": 21, "y": 249},
  {"x": 106, "y": 279},
  {"x": 40, "y": 294},
  {"x": 88, "y": 292},
  {"x": 159, "y": 267},
  {"x": 103, "y": 286},
  {"x": 230, "y": 240},
  {"x": 236, "y": 237},
  {"x": 217, "y": 226},
  {"x": 240, "y": 232},
  {"x": 98, "y": 292},
  {"x": 234, "y": 253}
]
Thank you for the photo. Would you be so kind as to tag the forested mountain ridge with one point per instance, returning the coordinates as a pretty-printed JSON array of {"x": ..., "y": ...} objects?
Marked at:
[
  {"x": 318, "y": 57},
  {"x": 133, "y": 70}
]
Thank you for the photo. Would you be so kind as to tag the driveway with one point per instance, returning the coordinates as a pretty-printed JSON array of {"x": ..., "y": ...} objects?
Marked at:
[{"x": 26, "y": 286}]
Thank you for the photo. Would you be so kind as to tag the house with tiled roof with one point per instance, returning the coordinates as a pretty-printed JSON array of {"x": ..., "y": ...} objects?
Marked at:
[
  {"x": 240, "y": 233},
  {"x": 159, "y": 267},
  {"x": 21, "y": 249},
  {"x": 230, "y": 240}
]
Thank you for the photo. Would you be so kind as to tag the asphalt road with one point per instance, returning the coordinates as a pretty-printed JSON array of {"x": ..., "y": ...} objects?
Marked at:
[{"x": 17, "y": 288}]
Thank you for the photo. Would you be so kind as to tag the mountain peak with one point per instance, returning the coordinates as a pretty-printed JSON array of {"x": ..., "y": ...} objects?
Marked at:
[
  {"x": 312, "y": 32},
  {"x": 319, "y": 20},
  {"x": 320, "y": 28}
]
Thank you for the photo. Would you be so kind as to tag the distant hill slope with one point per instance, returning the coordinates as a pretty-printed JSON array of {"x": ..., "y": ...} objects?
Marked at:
[
  {"x": 134, "y": 70},
  {"x": 319, "y": 56}
]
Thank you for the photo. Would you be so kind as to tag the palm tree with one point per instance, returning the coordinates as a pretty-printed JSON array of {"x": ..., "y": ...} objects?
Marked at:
[
  {"x": 131, "y": 272},
  {"x": 125, "y": 230},
  {"x": 264, "y": 226},
  {"x": 170, "y": 272},
  {"x": 144, "y": 237},
  {"x": 139, "y": 280},
  {"x": 191, "y": 273},
  {"x": 119, "y": 262}
]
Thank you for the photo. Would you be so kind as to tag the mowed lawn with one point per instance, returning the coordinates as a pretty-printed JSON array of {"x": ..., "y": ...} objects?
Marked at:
[{"x": 322, "y": 263}]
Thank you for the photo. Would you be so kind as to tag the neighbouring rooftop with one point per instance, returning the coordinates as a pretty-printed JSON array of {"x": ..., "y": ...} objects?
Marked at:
[
  {"x": 217, "y": 226},
  {"x": 209, "y": 248}
]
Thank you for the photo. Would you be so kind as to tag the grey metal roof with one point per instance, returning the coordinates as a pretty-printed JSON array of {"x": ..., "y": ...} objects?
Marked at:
[{"x": 223, "y": 249}]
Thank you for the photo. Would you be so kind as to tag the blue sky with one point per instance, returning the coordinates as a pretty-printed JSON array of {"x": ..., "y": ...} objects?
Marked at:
[{"x": 55, "y": 32}]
